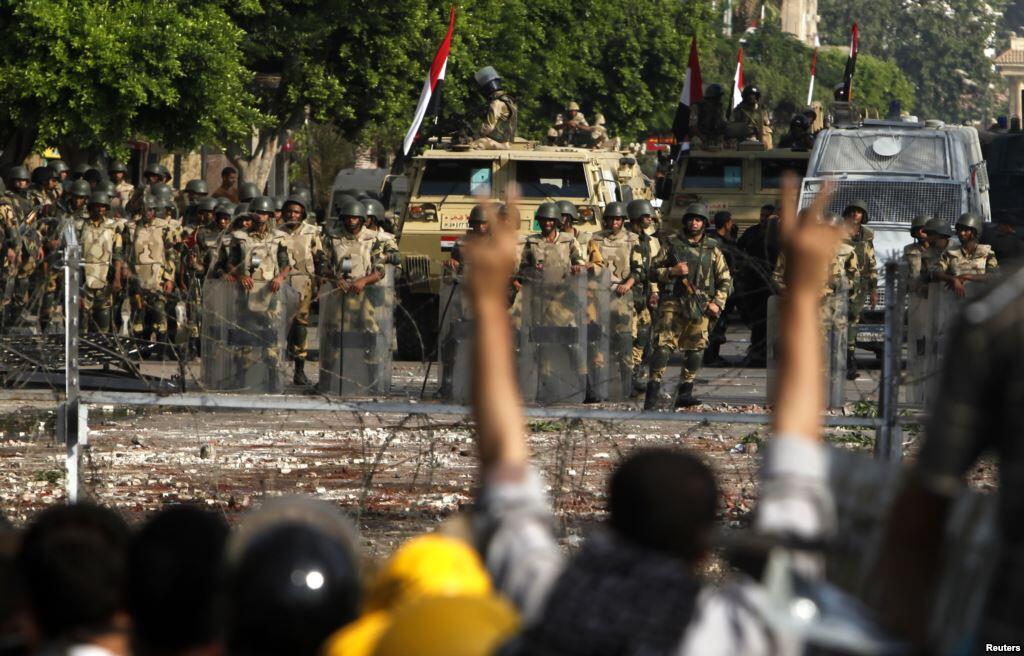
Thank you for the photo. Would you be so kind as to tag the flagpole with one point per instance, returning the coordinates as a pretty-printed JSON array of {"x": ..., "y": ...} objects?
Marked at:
[{"x": 814, "y": 66}]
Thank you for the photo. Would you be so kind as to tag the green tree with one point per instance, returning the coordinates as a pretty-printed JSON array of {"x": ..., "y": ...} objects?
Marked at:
[
  {"x": 941, "y": 44},
  {"x": 88, "y": 75}
]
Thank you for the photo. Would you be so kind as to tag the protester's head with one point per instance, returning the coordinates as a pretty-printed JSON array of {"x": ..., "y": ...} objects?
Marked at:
[
  {"x": 665, "y": 501},
  {"x": 293, "y": 578},
  {"x": 72, "y": 563},
  {"x": 723, "y": 222},
  {"x": 228, "y": 177},
  {"x": 174, "y": 581}
]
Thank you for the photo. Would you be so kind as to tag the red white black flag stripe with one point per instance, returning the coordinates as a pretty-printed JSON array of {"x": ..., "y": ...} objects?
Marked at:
[
  {"x": 693, "y": 92},
  {"x": 432, "y": 86}
]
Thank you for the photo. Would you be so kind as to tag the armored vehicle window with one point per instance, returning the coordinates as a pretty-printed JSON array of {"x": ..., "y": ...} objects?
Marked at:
[
  {"x": 713, "y": 173},
  {"x": 885, "y": 153},
  {"x": 772, "y": 170},
  {"x": 465, "y": 177},
  {"x": 551, "y": 179}
]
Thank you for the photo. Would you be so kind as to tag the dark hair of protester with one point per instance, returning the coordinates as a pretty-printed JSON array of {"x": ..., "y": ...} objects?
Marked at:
[
  {"x": 293, "y": 579},
  {"x": 71, "y": 562},
  {"x": 664, "y": 500},
  {"x": 175, "y": 566},
  {"x": 228, "y": 170}
]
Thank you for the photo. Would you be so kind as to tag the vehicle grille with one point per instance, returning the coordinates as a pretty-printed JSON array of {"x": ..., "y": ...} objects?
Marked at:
[
  {"x": 892, "y": 201},
  {"x": 417, "y": 268}
]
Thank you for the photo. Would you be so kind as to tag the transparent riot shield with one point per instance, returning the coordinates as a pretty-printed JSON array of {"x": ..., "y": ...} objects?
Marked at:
[
  {"x": 356, "y": 333},
  {"x": 834, "y": 321},
  {"x": 455, "y": 331},
  {"x": 918, "y": 340},
  {"x": 609, "y": 338},
  {"x": 944, "y": 307},
  {"x": 553, "y": 338},
  {"x": 244, "y": 338}
]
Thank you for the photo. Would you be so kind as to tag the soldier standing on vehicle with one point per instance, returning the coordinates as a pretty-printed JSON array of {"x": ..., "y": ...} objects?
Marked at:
[
  {"x": 707, "y": 123},
  {"x": 151, "y": 275},
  {"x": 102, "y": 264},
  {"x": 716, "y": 337},
  {"x": 501, "y": 119},
  {"x": 306, "y": 248},
  {"x": 645, "y": 292},
  {"x": 617, "y": 248},
  {"x": 969, "y": 262},
  {"x": 913, "y": 254},
  {"x": 570, "y": 218},
  {"x": 842, "y": 112},
  {"x": 574, "y": 124},
  {"x": 749, "y": 121},
  {"x": 697, "y": 282},
  {"x": 863, "y": 239}
]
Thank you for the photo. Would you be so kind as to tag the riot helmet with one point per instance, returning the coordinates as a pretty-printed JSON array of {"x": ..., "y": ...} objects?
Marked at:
[
  {"x": 700, "y": 211},
  {"x": 247, "y": 191},
  {"x": 106, "y": 185},
  {"x": 972, "y": 221},
  {"x": 153, "y": 169},
  {"x": 839, "y": 92},
  {"x": 263, "y": 204},
  {"x": 800, "y": 122},
  {"x": 41, "y": 176},
  {"x": 920, "y": 221},
  {"x": 751, "y": 91},
  {"x": 614, "y": 210},
  {"x": 17, "y": 173},
  {"x": 374, "y": 210},
  {"x": 80, "y": 188},
  {"x": 100, "y": 198},
  {"x": 477, "y": 215},
  {"x": 59, "y": 167},
  {"x": 162, "y": 190},
  {"x": 206, "y": 204},
  {"x": 487, "y": 81},
  {"x": 548, "y": 211},
  {"x": 857, "y": 205},
  {"x": 639, "y": 208},
  {"x": 197, "y": 187},
  {"x": 79, "y": 170},
  {"x": 567, "y": 208},
  {"x": 117, "y": 166},
  {"x": 938, "y": 226}
]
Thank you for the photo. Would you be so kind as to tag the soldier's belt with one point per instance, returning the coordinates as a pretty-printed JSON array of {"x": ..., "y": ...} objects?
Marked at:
[
  {"x": 265, "y": 337},
  {"x": 554, "y": 334}
]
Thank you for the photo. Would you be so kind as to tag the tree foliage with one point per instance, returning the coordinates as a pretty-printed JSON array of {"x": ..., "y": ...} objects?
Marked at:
[
  {"x": 91, "y": 75},
  {"x": 943, "y": 45}
]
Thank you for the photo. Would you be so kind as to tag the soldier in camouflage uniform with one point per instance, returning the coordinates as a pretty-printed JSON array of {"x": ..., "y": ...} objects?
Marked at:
[
  {"x": 378, "y": 222},
  {"x": 149, "y": 257},
  {"x": 693, "y": 272},
  {"x": 478, "y": 227},
  {"x": 500, "y": 123},
  {"x": 749, "y": 121},
  {"x": 617, "y": 248},
  {"x": 645, "y": 292},
  {"x": 553, "y": 255},
  {"x": 937, "y": 232},
  {"x": 354, "y": 259},
  {"x": 968, "y": 262},
  {"x": 44, "y": 191},
  {"x": 102, "y": 263},
  {"x": 569, "y": 220},
  {"x": 863, "y": 239},
  {"x": 913, "y": 254},
  {"x": 707, "y": 123},
  {"x": 258, "y": 259},
  {"x": 306, "y": 249},
  {"x": 123, "y": 190},
  {"x": 24, "y": 248},
  {"x": 151, "y": 176},
  {"x": 17, "y": 189}
]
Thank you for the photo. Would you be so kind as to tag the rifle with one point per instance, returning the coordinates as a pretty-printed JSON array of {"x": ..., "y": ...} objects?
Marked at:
[{"x": 683, "y": 287}]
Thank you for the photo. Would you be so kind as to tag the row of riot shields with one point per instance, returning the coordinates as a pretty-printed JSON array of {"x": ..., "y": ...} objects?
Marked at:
[
  {"x": 931, "y": 310},
  {"x": 834, "y": 322},
  {"x": 573, "y": 339},
  {"x": 244, "y": 337}
]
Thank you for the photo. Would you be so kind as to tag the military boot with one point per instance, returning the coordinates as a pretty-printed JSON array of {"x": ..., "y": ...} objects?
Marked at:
[
  {"x": 712, "y": 358},
  {"x": 685, "y": 397},
  {"x": 300, "y": 374},
  {"x": 851, "y": 366},
  {"x": 653, "y": 392}
]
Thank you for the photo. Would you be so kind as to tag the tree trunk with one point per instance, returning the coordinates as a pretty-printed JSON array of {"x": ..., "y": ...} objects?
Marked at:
[
  {"x": 17, "y": 145},
  {"x": 254, "y": 162}
]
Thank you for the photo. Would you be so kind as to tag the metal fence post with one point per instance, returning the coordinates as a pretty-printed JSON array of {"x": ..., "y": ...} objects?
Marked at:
[
  {"x": 888, "y": 435},
  {"x": 72, "y": 417}
]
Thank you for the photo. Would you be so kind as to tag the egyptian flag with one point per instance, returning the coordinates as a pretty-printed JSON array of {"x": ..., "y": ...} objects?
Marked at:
[
  {"x": 693, "y": 92},
  {"x": 431, "y": 94},
  {"x": 814, "y": 69},
  {"x": 737, "y": 83},
  {"x": 851, "y": 63}
]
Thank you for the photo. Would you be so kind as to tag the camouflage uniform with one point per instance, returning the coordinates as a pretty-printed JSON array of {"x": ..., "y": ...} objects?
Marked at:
[
  {"x": 306, "y": 248},
  {"x": 682, "y": 323},
  {"x": 551, "y": 260},
  {"x": 844, "y": 273},
  {"x": 619, "y": 252},
  {"x": 864, "y": 246},
  {"x": 648, "y": 250},
  {"x": 150, "y": 259},
  {"x": 958, "y": 262},
  {"x": 262, "y": 257},
  {"x": 22, "y": 236},
  {"x": 102, "y": 254},
  {"x": 917, "y": 273},
  {"x": 752, "y": 122},
  {"x": 366, "y": 255},
  {"x": 500, "y": 123}
]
